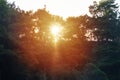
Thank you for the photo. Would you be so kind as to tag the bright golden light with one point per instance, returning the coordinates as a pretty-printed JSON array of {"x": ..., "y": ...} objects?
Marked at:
[{"x": 56, "y": 32}]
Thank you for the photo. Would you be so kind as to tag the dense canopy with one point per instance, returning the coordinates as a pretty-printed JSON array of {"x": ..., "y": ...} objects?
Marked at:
[{"x": 41, "y": 46}]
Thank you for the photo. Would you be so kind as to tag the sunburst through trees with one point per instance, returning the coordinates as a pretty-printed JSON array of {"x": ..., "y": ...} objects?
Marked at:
[{"x": 41, "y": 46}]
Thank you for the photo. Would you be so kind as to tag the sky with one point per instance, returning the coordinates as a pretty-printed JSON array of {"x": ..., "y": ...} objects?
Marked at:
[{"x": 63, "y": 8}]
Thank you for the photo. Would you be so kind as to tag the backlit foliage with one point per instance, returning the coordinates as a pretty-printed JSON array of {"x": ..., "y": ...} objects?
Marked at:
[{"x": 41, "y": 46}]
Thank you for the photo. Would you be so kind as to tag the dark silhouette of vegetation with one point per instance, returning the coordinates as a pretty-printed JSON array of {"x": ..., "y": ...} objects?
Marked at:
[{"x": 88, "y": 47}]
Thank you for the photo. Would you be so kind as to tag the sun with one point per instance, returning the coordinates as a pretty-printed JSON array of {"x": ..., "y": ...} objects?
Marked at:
[{"x": 56, "y": 31}]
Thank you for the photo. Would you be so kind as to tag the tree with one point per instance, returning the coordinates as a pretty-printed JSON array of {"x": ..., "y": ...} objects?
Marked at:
[
  {"x": 105, "y": 17},
  {"x": 10, "y": 65},
  {"x": 104, "y": 26}
]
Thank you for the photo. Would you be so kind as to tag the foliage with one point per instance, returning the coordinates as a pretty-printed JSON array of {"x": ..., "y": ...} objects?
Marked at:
[{"x": 87, "y": 49}]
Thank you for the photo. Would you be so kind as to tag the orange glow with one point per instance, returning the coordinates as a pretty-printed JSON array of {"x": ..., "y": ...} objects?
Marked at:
[{"x": 50, "y": 45}]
